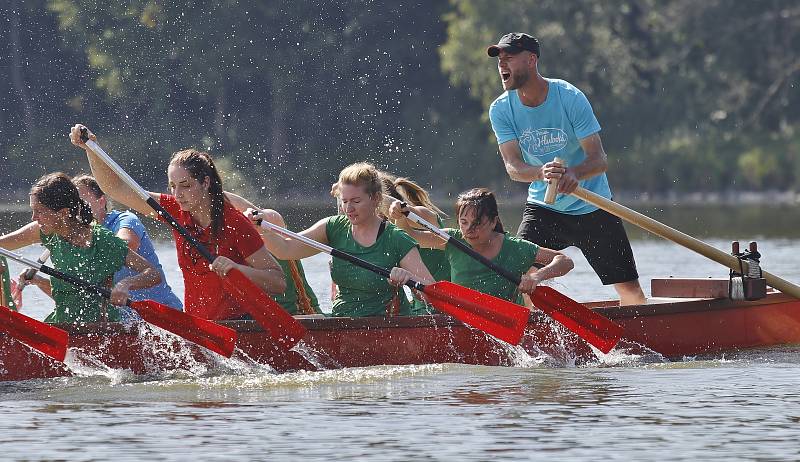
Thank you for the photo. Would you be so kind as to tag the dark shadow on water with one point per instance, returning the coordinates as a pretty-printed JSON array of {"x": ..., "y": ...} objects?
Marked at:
[{"x": 719, "y": 221}]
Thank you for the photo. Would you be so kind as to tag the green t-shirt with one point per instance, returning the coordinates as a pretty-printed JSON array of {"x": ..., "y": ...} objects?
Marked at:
[
  {"x": 288, "y": 299},
  {"x": 96, "y": 264},
  {"x": 362, "y": 292},
  {"x": 438, "y": 265},
  {"x": 516, "y": 255}
]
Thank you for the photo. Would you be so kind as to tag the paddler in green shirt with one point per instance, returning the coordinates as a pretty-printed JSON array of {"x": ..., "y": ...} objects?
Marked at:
[
  {"x": 63, "y": 223},
  {"x": 362, "y": 232},
  {"x": 480, "y": 227},
  {"x": 418, "y": 200},
  {"x": 299, "y": 297}
]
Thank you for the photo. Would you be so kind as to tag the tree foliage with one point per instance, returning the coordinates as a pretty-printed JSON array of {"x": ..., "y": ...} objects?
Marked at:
[
  {"x": 680, "y": 87},
  {"x": 691, "y": 96}
]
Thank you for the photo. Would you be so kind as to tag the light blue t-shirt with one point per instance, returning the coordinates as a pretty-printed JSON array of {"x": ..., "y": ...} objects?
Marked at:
[
  {"x": 161, "y": 293},
  {"x": 552, "y": 129}
]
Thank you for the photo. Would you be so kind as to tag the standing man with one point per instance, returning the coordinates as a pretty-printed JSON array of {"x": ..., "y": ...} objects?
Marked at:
[{"x": 537, "y": 119}]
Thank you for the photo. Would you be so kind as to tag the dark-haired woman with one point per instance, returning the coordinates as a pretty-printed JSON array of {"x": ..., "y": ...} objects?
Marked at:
[
  {"x": 127, "y": 226},
  {"x": 199, "y": 203},
  {"x": 62, "y": 222},
  {"x": 480, "y": 227}
]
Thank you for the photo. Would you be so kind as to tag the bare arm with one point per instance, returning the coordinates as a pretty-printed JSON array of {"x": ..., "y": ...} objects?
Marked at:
[
  {"x": 238, "y": 202},
  {"x": 109, "y": 182},
  {"x": 262, "y": 269},
  {"x": 147, "y": 275},
  {"x": 25, "y": 236},
  {"x": 281, "y": 247},
  {"x": 425, "y": 239},
  {"x": 129, "y": 236},
  {"x": 516, "y": 167},
  {"x": 412, "y": 262},
  {"x": 555, "y": 264},
  {"x": 41, "y": 282},
  {"x": 287, "y": 248}
]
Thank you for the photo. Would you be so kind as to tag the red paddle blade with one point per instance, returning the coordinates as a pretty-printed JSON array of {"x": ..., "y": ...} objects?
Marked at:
[
  {"x": 280, "y": 325},
  {"x": 497, "y": 317},
  {"x": 203, "y": 332},
  {"x": 587, "y": 324},
  {"x": 50, "y": 340}
]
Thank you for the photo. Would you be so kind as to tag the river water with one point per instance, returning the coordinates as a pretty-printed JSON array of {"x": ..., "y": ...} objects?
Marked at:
[{"x": 739, "y": 406}]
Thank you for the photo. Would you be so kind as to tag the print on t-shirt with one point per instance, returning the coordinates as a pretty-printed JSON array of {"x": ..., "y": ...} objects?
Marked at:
[{"x": 536, "y": 143}]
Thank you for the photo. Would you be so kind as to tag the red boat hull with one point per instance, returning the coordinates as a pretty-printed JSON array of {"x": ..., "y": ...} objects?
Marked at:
[
  {"x": 329, "y": 343},
  {"x": 673, "y": 329}
]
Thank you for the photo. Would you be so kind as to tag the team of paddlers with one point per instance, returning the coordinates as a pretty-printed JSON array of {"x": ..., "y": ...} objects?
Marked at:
[
  {"x": 546, "y": 131},
  {"x": 72, "y": 220}
]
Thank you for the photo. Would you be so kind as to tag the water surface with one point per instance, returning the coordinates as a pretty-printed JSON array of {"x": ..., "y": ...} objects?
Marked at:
[{"x": 742, "y": 405}]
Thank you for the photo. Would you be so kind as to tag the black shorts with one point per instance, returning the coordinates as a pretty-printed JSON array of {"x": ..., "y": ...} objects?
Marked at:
[{"x": 600, "y": 236}]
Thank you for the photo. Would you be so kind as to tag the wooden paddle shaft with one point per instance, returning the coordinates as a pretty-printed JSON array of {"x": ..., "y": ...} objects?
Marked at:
[
  {"x": 680, "y": 238},
  {"x": 552, "y": 187}
]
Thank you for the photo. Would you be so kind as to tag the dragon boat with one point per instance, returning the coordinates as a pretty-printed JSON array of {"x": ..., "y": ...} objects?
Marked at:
[{"x": 684, "y": 317}]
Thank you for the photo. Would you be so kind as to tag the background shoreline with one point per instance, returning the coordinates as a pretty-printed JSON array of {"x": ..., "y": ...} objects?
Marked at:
[{"x": 728, "y": 198}]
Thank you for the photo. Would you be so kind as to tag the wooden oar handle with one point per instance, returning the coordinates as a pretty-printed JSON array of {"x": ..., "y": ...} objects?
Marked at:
[
  {"x": 680, "y": 238},
  {"x": 31, "y": 272},
  {"x": 122, "y": 174},
  {"x": 552, "y": 186}
]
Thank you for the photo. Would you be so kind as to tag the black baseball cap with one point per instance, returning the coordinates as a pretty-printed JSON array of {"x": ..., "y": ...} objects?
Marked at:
[{"x": 514, "y": 43}]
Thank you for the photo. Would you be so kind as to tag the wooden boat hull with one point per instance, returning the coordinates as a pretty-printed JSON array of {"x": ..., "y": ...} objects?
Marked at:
[
  {"x": 330, "y": 343},
  {"x": 707, "y": 327},
  {"x": 673, "y": 329}
]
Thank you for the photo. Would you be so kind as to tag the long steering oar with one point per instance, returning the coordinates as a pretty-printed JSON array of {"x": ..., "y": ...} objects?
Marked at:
[
  {"x": 500, "y": 318},
  {"x": 680, "y": 238},
  {"x": 281, "y": 326},
  {"x": 587, "y": 324},
  {"x": 216, "y": 338}
]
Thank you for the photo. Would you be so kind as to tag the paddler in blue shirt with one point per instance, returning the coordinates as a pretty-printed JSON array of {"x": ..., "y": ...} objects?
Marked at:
[{"x": 127, "y": 226}]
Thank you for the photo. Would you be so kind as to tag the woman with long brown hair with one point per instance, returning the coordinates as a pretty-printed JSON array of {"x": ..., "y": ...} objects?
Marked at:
[
  {"x": 199, "y": 203},
  {"x": 419, "y": 201},
  {"x": 63, "y": 223}
]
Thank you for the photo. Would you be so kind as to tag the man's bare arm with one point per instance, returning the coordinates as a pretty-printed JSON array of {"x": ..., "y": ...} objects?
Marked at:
[
  {"x": 516, "y": 167},
  {"x": 596, "y": 161}
]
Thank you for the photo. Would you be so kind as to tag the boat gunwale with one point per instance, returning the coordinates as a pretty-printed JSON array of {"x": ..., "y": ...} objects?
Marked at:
[
  {"x": 441, "y": 320},
  {"x": 689, "y": 306},
  {"x": 246, "y": 326}
]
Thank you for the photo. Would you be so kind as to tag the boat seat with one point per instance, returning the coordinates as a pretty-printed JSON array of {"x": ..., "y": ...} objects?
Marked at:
[
  {"x": 689, "y": 287},
  {"x": 661, "y": 300}
]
